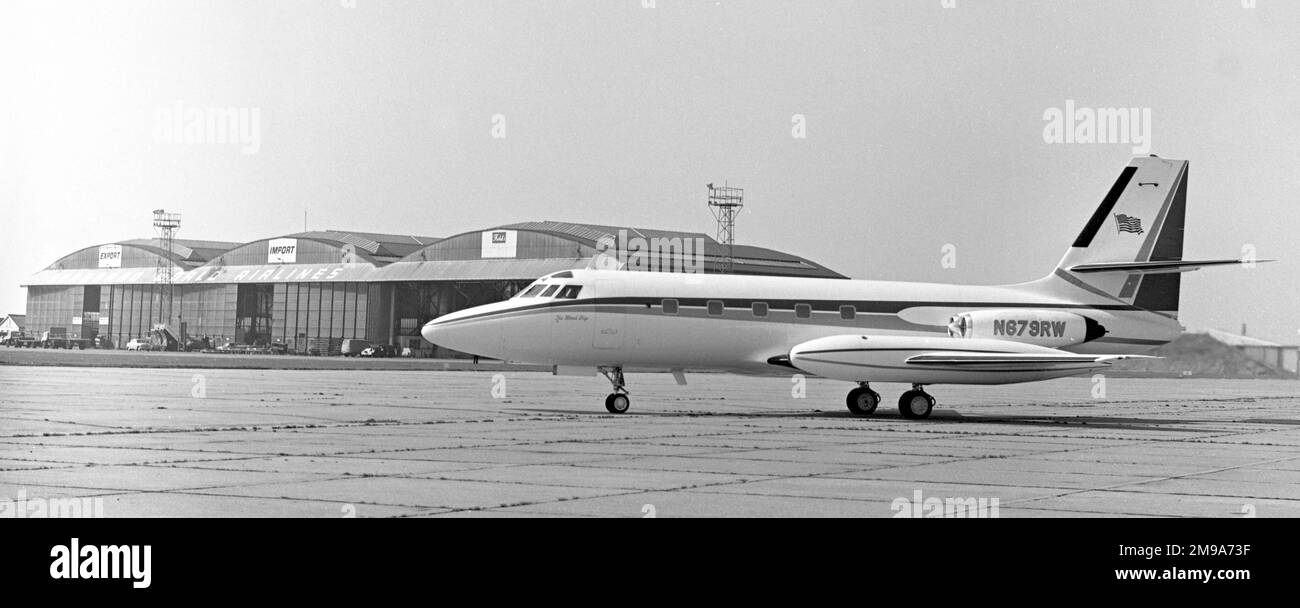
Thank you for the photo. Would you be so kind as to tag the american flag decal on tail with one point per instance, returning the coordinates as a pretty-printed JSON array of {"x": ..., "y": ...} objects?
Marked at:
[{"x": 1128, "y": 224}]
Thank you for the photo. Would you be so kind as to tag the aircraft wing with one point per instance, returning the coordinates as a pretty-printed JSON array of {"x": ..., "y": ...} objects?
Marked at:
[{"x": 937, "y": 360}]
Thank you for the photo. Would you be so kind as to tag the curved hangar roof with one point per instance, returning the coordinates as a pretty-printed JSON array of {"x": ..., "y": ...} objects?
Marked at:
[
  {"x": 522, "y": 251},
  {"x": 134, "y": 261},
  {"x": 306, "y": 253},
  {"x": 141, "y": 253},
  {"x": 324, "y": 247},
  {"x": 517, "y": 251},
  {"x": 323, "y": 255},
  {"x": 747, "y": 259}
]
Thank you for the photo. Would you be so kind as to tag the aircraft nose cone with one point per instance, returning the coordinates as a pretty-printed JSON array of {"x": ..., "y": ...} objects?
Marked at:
[
  {"x": 459, "y": 331},
  {"x": 432, "y": 332},
  {"x": 447, "y": 333}
]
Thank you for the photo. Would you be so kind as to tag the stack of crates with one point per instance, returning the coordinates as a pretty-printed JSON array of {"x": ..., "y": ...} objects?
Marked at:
[{"x": 332, "y": 347}]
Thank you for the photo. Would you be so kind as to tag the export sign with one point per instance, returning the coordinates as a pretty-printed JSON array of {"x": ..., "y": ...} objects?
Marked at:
[{"x": 110, "y": 256}]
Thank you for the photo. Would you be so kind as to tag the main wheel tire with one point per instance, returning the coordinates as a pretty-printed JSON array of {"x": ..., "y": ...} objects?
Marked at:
[
  {"x": 617, "y": 403},
  {"x": 863, "y": 401},
  {"x": 915, "y": 405}
]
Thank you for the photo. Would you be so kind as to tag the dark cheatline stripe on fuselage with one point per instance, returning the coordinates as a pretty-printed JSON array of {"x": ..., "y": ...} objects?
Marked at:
[
  {"x": 862, "y": 306},
  {"x": 866, "y": 322},
  {"x": 1103, "y": 212}
]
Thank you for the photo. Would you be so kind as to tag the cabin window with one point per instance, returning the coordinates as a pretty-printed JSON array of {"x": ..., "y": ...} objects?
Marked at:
[
  {"x": 848, "y": 313},
  {"x": 569, "y": 292},
  {"x": 563, "y": 275},
  {"x": 670, "y": 307},
  {"x": 532, "y": 291},
  {"x": 803, "y": 311},
  {"x": 760, "y": 309},
  {"x": 549, "y": 290},
  {"x": 715, "y": 308}
]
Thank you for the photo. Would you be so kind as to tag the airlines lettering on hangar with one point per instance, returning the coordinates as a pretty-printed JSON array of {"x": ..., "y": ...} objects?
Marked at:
[
  {"x": 281, "y": 274},
  {"x": 318, "y": 272}
]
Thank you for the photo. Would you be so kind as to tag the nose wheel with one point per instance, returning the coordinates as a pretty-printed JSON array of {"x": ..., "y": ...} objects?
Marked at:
[
  {"x": 916, "y": 404},
  {"x": 617, "y": 402},
  {"x": 862, "y": 401}
]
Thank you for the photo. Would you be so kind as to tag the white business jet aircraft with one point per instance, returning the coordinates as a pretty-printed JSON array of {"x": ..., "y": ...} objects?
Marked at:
[{"x": 1114, "y": 294}]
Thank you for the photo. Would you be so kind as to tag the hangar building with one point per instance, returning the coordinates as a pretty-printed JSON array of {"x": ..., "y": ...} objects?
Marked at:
[{"x": 310, "y": 290}]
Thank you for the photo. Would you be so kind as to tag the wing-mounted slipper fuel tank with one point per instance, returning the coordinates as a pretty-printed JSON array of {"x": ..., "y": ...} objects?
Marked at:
[{"x": 939, "y": 360}]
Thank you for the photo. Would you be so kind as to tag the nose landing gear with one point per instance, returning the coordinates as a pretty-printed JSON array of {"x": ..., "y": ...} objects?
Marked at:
[{"x": 617, "y": 402}]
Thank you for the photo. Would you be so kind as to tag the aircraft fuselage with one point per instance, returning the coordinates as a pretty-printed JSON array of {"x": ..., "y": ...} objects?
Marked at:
[{"x": 741, "y": 323}]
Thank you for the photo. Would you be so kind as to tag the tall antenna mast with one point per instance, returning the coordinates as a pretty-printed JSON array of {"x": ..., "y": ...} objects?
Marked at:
[
  {"x": 725, "y": 202},
  {"x": 166, "y": 224}
]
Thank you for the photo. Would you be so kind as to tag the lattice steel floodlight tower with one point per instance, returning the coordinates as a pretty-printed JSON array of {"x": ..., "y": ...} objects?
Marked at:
[
  {"x": 166, "y": 224},
  {"x": 726, "y": 202}
]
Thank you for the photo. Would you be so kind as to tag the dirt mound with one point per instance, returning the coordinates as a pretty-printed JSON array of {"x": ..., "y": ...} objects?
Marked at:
[{"x": 1201, "y": 356}]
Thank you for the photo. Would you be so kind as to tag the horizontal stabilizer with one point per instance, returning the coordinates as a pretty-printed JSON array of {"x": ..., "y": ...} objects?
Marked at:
[{"x": 1159, "y": 267}]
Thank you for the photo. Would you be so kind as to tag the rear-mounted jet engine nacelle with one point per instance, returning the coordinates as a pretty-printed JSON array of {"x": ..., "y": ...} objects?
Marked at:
[{"x": 1049, "y": 328}]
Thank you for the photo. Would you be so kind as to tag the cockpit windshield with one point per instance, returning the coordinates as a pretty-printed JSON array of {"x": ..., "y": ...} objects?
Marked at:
[
  {"x": 531, "y": 291},
  {"x": 541, "y": 289}
]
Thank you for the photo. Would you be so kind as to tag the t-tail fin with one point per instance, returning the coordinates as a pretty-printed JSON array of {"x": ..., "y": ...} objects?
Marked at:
[{"x": 1131, "y": 249}]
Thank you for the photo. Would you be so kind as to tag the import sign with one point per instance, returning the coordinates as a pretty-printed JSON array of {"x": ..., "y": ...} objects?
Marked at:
[{"x": 282, "y": 251}]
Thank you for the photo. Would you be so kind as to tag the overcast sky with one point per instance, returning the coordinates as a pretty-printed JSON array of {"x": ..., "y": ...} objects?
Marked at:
[{"x": 924, "y": 126}]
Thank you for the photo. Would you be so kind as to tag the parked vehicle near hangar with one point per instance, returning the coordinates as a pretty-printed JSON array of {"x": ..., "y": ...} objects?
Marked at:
[
  {"x": 380, "y": 351},
  {"x": 353, "y": 347}
]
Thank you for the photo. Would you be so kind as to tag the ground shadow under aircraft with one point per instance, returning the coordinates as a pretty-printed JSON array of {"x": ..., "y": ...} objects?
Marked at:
[{"x": 948, "y": 416}]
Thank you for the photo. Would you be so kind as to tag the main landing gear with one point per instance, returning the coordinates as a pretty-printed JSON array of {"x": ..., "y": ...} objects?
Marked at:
[
  {"x": 915, "y": 404},
  {"x": 862, "y": 400},
  {"x": 617, "y": 402}
]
